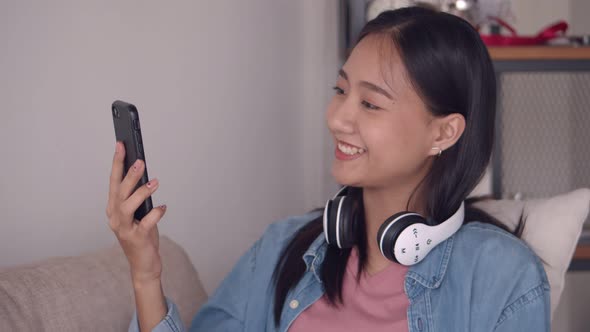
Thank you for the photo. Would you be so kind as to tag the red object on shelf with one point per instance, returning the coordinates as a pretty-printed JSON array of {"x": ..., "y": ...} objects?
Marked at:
[{"x": 555, "y": 30}]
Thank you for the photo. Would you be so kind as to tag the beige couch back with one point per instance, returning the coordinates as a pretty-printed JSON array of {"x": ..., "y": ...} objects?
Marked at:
[{"x": 91, "y": 292}]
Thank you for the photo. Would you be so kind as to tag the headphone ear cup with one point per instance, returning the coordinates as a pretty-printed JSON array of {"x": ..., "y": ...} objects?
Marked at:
[
  {"x": 348, "y": 222},
  {"x": 332, "y": 219},
  {"x": 391, "y": 229},
  {"x": 341, "y": 221}
]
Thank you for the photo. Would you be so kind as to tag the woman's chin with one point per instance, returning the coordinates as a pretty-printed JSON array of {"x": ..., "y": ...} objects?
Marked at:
[{"x": 345, "y": 177}]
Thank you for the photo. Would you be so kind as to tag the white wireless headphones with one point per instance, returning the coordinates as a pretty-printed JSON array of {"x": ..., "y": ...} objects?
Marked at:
[{"x": 404, "y": 238}]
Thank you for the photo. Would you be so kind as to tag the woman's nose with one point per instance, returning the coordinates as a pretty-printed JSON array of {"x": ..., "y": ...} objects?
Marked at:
[{"x": 342, "y": 117}]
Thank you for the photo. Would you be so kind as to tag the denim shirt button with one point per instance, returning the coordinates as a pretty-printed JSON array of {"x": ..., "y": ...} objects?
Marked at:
[
  {"x": 294, "y": 304},
  {"x": 419, "y": 323}
]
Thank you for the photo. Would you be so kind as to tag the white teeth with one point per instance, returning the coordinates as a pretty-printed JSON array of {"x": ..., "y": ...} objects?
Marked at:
[{"x": 349, "y": 150}]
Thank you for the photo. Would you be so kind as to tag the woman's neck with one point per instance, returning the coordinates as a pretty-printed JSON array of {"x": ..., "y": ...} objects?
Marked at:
[{"x": 380, "y": 204}]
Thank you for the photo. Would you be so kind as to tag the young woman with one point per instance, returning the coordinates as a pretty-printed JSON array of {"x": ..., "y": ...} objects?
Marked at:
[{"x": 412, "y": 119}]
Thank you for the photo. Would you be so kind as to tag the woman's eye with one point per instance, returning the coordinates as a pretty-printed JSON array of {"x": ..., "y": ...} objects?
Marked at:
[
  {"x": 370, "y": 106},
  {"x": 338, "y": 90}
]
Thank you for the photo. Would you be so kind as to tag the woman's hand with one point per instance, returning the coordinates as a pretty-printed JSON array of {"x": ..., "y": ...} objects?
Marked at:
[{"x": 139, "y": 239}]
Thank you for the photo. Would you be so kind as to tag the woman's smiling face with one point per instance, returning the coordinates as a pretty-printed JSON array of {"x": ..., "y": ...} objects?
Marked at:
[{"x": 379, "y": 124}]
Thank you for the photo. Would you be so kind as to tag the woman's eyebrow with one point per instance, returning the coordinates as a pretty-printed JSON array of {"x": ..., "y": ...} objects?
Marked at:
[
  {"x": 342, "y": 73},
  {"x": 367, "y": 85},
  {"x": 375, "y": 88}
]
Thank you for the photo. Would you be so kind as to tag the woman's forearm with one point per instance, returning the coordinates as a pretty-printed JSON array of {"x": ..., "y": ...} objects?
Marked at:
[{"x": 150, "y": 304}]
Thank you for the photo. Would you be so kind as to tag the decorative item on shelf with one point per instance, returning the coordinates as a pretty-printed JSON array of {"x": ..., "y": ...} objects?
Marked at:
[
  {"x": 482, "y": 10},
  {"x": 467, "y": 9},
  {"x": 376, "y": 7},
  {"x": 495, "y": 15},
  {"x": 492, "y": 18},
  {"x": 474, "y": 11},
  {"x": 553, "y": 31},
  {"x": 583, "y": 40}
]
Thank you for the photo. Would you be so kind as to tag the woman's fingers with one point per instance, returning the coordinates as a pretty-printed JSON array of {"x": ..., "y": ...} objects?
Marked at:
[
  {"x": 117, "y": 168},
  {"x": 124, "y": 199},
  {"x": 116, "y": 175},
  {"x": 129, "y": 183},
  {"x": 151, "y": 219},
  {"x": 141, "y": 194}
]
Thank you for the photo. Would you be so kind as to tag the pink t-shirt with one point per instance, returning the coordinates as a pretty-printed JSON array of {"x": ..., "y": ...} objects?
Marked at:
[{"x": 377, "y": 303}]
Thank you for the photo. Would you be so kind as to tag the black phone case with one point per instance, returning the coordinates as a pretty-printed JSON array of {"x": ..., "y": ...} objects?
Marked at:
[{"x": 127, "y": 129}]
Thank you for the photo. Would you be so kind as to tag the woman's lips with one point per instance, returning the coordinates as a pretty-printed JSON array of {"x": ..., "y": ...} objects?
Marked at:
[{"x": 346, "y": 151}]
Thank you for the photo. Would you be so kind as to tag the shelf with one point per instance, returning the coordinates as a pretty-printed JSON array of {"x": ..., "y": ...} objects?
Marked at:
[{"x": 539, "y": 53}]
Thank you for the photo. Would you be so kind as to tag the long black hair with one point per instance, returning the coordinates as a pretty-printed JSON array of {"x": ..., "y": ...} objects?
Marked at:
[{"x": 450, "y": 68}]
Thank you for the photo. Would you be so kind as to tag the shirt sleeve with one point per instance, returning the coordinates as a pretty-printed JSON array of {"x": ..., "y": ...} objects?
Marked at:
[
  {"x": 530, "y": 313},
  {"x": 226, "y": 308},
  {"x": 170, "y": 323}
]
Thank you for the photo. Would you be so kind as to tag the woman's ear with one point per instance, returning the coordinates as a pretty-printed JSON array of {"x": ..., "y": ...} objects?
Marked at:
[{"x": 446, "y": 131}]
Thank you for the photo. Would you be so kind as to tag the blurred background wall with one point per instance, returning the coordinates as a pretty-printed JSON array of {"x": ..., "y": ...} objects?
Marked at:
[{"x": 231, "y": 96}]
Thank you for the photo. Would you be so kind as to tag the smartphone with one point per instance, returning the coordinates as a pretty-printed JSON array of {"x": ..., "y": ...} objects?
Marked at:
[{"x": 128, "y": 131}]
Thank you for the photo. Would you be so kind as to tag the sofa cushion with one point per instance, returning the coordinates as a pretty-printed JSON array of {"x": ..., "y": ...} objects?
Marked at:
[
  {"x": 553, "y": 227},
  {"x": 91, "y": 292}
]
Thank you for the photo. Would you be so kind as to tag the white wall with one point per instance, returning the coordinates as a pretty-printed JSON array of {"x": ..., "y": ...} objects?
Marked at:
[
  {"x": 322, "y": 57},
  {"x": 230, "y": 94}
]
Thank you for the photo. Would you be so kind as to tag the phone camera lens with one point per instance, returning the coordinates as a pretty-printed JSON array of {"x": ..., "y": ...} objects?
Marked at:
[{"x": 115, "y": 112}]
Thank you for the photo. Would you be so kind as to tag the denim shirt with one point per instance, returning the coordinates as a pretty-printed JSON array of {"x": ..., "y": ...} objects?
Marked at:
[{"x": 480, "y": 279}]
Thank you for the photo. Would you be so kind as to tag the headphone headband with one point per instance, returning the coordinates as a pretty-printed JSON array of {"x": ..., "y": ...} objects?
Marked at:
[
  {"x": 405, "y": 238},
  {"x": 416, "y": 240}
]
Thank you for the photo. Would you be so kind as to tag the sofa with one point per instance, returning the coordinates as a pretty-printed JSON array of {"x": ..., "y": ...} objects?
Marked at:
[
  {"x": 90, "y": 292},
  {"x": 93, "y": 291}
]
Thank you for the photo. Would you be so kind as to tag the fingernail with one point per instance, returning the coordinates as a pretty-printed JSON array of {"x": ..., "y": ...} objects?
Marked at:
[
  {"x": 163, "y": 207},
  {"x": 136, "y": 164},
  {"x": 152, "y": 183},
  {"x": 117, "y": 147}
]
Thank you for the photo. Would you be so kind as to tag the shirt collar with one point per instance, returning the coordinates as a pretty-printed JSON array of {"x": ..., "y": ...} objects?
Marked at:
[
  {"x": 314, "y": 256},
  {"x": 429, "y": 272}
]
